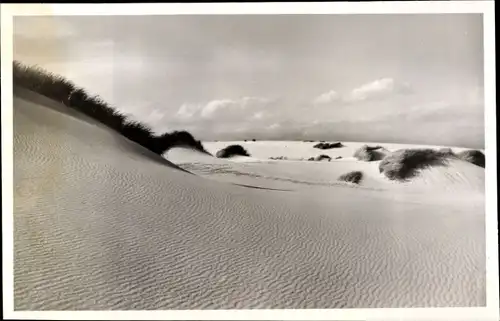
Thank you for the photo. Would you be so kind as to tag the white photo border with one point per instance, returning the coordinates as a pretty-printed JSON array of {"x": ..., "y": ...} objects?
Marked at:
[{"x": 486, "y": 8}]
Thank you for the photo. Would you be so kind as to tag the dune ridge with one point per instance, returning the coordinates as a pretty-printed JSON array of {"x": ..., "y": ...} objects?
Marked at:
[
  {"x": 103, "y": 223},
  {"x": 62, "y": 90}
]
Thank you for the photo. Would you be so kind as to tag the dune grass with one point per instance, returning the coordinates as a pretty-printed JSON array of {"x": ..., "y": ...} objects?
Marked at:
[
  {"x": 404, "y": 164},
  {"x": 232, "y": 150},
  {"x": 475, "y": 157},
  {"x": 370, "y": 153},
  {"x": 352, "y": 177},
  {"x": 322, "y": 157},
  {"x": 328, "y": 145},
  {"x": 62, "y": 90},
  {"x": 447, "y": 151}
]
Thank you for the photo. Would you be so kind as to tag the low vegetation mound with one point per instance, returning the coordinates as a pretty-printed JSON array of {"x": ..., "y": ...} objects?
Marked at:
[
  {"x": 352, "y": 177},
  {"x": 279, "y": 158},
  {"x": 447, "y": 151},
  {"x": 328, "y": 145},
  {"x": 370, "y": 153},
  {"x": 59, "y": 89},
  {"x": 475, "y": 157},
  {"x": 322, "y": 157},
  {"x": 180, "y": 138},
  {"x": 319, "y": 158},
  {"x": 232, "y": 150},
  {"x": 404, "y": 164}
]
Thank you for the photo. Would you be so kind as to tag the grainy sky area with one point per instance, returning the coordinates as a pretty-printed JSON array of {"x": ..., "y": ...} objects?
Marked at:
[{"x": 414, "y": 78}]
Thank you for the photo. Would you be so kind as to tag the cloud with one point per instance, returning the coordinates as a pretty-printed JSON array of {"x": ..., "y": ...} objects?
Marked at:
[
  {"x": 187, "y": 111},
  {"x": 274, "y": 126},
  {"x": 215, "y": 106},
  {"x": 326, "y": 98},
  {"x": 259, "y": 115},
  {"x": 375, "y": 90},
  {"x": 226, "y": 109},
  {"x": 378, "y": 89}
]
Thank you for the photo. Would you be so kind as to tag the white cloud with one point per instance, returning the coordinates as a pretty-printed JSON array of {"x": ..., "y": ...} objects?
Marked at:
[
  {"x": 377, "y": 89},
  {"x": 227, "y": 109},
  {"x": 327, "y": 97},
  {"x": 258, "y": 115},
  {"x": 215, "y": 106},
  {"x": 187, "y": 110}
]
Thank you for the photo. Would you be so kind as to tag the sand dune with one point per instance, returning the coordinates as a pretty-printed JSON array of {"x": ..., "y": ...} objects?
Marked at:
[
  {"x": 102, "y": 223},
  {"x": 459, "y": 175}
]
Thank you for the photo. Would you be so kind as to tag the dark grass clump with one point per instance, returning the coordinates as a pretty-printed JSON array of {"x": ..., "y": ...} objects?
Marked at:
[
  {"x": 371, "y": 148},
  {"x": 328, "y": 145},
  {"x": 279, "y": 158},
  {"x": 232, "y": 150},
  {"x": 97, "y": 109},
  {"x": 142, "y": 135},
  {"x": 59, "y": 89},
  {"x": 42, "y": 82},
  {"x": 447, "y": 151},
  {"x": 352, "y": 177},
  {"x": 179, "y": 139},
  {"x": 475, "y": 157},
  {"x": 404, "y": 164},
  {"x": 370, "y": 153},
  {"x": 322, "y": 157}
]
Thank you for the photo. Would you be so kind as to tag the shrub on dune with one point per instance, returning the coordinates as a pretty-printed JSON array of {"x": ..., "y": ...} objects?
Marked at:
[
  {"x": 62, "y": 90},
  {"x": 351, "y": 177},
  {"x": 446, "y": 150},
  {"x": 328, "y": 145},
  {"x": 232, "y": 150},
  {"x": 475, "y": 157},
  {"x": 279, "y": 158},
  {"x": 179, "y": 139},
  {"x": 404, "y": 164},
  {"x": 370, "y": 153},
  {"x": 322, "y": 157}
]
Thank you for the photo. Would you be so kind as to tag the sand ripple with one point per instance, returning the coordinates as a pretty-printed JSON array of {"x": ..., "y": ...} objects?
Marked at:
[{"x": 101, "y": 227}]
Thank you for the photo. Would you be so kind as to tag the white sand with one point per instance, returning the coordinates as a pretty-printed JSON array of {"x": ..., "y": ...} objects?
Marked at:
[{"x": 100, "y": 223}]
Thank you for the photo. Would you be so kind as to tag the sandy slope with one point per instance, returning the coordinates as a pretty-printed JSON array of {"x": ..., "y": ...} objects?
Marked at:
[
  {"x": 259, "y": 169},
  {"x": 100, "y": 223}
]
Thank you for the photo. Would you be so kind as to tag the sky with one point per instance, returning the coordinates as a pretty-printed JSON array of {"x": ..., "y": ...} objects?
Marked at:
[{"x": 401, "y": 78}]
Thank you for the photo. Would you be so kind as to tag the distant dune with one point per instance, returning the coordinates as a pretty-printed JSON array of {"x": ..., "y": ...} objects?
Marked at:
[{"x": 104, "y": 223}]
